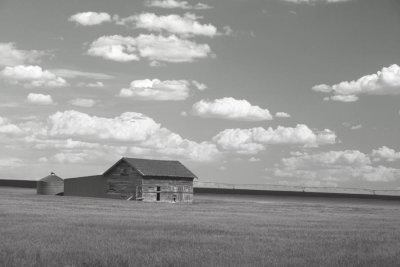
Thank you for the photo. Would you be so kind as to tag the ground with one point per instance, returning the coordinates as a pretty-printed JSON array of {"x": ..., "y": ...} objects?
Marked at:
[{"x": 216, "y": 230}]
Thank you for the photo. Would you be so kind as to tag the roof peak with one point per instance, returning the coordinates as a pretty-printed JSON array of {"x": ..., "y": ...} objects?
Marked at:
[
  {"x": 51, "y": 176},
  {"x": 151, "y": 159},
  {"x": 156, "y": 167}
]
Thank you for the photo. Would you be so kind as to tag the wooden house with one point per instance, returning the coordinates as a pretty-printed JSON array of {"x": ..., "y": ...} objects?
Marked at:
[
  {"x": 137, "y": 179},
  {"x": 150, "y": 180}
]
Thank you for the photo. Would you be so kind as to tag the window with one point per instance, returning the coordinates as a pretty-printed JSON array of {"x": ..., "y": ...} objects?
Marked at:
[{"x": 158, "y": 193}]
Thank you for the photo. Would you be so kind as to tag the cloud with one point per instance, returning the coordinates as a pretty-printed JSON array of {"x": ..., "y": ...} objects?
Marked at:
[
  {"x": 171, "y": 48},
  {"x": 200, "y": 86},
  {"x": 10, "y": 162},
  {"x": 91, "y": 85},
  {"x": 90, "y": 18},
  {"x": 68, "y": 73},
  {"x": 11, "y": 56},
  {"x": 9, "y": 128},
  {"x": 385, "y": 153},
  {"x": 72, "y": 135},
  {"x": 130, "y": 126},
  {"x": 155, "y": 89},
  {"x": 384, "y": 82},
  {"x": 170, "y": 4},
  {"x": 231, "y": 109},
  {"x": 282, "y": 115},
  {"x": 149, "y": 46},
  {"x": 115, "y": 47},
  {"x": 313, "y": 2},
  {"x": 254, "y": 140},
  {"x": 31, "y": 76},
  {"x": 344, "y": 98},
  {"x": 83, "y": 102},
  {"x": 40, "y": 99},
  {"x": 66, "y": 144},
  {"x": 334, "y": 168},
  {"x": 133, "y": 131},
  {"x": 338, "y": 158},
  {"x": 186, "y": 25},
  {"x": 356, "y": 127}
]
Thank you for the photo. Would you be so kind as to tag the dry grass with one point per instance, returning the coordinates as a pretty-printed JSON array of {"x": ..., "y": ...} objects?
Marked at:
[{"x": 214, "y": 231}]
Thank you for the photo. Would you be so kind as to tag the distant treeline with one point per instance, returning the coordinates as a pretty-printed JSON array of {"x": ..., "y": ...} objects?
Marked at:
[
  {"x": 209, "y": 190},
  {"x": 18, "y": 183},
  {"x": 200, "y": 190}
]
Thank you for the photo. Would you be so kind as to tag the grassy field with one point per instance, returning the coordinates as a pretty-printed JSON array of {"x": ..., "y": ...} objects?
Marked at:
[{"x": 214, "y": 231}]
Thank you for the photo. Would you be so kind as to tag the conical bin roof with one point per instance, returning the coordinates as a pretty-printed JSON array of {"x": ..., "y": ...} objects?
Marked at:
[{"x": 51, "y": 178}]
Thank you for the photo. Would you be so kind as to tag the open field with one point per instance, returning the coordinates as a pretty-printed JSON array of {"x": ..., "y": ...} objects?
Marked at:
[{"x": 214, "y": 231}]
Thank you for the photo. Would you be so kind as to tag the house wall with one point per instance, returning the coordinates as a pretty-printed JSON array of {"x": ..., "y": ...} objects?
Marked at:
[
  {"x": 88, "y": 186},
  {"x": 181, "y": 188},
  {"x": 122, "y": 182}
]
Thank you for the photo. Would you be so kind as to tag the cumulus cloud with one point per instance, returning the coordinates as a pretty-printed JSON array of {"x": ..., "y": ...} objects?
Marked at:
[
  {"x": 68, "y": 73},
  {"x": 282, "y": 115},
  {"x": 6, "y": 127},
  {"x": 31, "y": 76},
  {"x": 334, "y": 168},
  {"x": 160, "y": 90},
  {"x": 62, "y": 144},
  {"x": 91, "y": 85},
  {"x": 171, "y": 48},
  {"x": 83, "y": 102},
  {"x": 170, "y": 4},
  {"x": 10, "y": 162},
  {"x": 72, "y": 135},
  {"x": 90, "y": 18},
  {"x": 254, "y": 140},
  {"x": 186, "y": 25},
  {"x": 200, "y": 86},
  {"x": 40, "y": 99},
  {"x": 115, "y": 47},
  {"x": 130, "y": 129},
  {"x": 231, "y": 109},
  {"x": 385, "y": 153},
  {"x": 10, "y": 55},
  {"x": 356, "y": 127},
  {"x": 149, "y": 46},
  {"x": 384, "y": 82},
  {"x": 339, "y": 158}
]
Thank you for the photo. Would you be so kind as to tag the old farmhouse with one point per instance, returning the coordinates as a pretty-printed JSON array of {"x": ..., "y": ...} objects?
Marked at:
[{"x": 137, "y": 179}]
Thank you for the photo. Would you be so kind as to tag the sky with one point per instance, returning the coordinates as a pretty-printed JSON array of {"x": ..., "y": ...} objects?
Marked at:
[{"x": 287, "y": 92}]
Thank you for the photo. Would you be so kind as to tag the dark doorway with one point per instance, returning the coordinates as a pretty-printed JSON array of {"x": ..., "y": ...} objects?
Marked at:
[{"x": 158, "y": 193}]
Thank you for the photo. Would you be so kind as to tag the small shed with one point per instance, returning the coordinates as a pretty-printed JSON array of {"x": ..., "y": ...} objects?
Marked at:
[{"x": 50, "y": 185}]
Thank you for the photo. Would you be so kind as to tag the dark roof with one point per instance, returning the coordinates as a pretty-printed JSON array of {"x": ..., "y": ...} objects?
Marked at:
[
  {"x": 51, "y": 177},
  {"x": 152, "y": 167}
]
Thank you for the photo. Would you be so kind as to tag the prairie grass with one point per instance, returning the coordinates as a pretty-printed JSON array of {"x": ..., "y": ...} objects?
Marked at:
[{"x": 213, "y": 231}]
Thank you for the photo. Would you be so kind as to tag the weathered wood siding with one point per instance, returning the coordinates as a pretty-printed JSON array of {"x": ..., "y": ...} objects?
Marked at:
[
  {"x": 122, "y": 182},
  {"x": 88, "y": 186},
  {"x": 180, "y": 188}
]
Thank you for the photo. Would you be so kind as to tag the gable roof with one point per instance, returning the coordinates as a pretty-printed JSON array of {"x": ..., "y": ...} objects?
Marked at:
[{"x": 154, "y": 168}]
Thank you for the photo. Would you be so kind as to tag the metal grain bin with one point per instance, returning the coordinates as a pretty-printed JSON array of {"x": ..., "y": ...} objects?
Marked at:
[{"x": 50, "y": 185}]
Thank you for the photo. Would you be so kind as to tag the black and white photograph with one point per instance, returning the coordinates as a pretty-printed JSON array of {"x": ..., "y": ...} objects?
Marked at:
[{"x": 199, "y": 133}]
